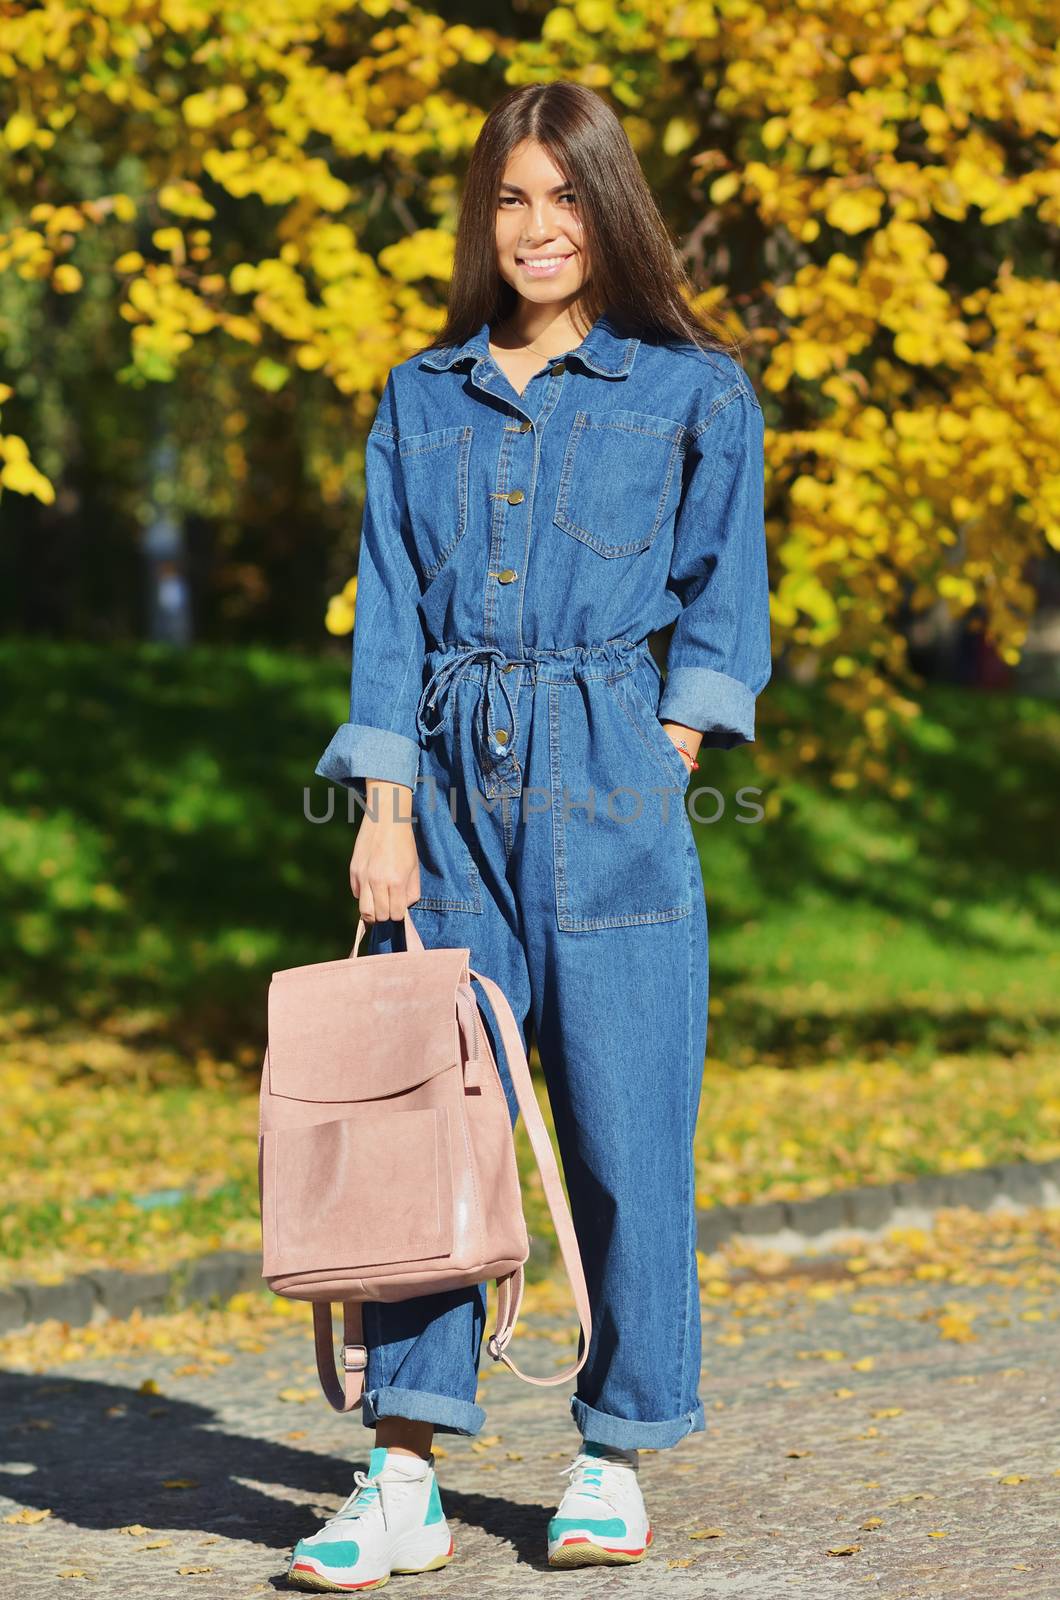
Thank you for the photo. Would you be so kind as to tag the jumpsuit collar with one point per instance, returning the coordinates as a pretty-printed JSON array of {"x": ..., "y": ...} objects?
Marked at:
[{"x": 605, "y": 350}]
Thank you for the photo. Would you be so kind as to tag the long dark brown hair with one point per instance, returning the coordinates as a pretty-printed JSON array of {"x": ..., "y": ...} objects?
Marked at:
[{"x": 635, "y": 272}]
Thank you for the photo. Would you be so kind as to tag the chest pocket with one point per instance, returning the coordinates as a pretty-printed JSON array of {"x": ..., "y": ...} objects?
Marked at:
[
  {"x": 619, "y": 480},
  {"x": 434, "y": 470}
]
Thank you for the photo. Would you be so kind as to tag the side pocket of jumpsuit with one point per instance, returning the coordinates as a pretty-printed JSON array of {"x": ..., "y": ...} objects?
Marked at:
[
  {"x": 449, "y": 878},
  {"x": 621, "y": 836},
  {"x": 637, "y": 697}
]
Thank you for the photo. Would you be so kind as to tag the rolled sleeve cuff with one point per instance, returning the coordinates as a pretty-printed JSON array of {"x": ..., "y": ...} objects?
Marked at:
[
  {"x": 357, "y": 752},
  {"x": 722, "y": 708}
]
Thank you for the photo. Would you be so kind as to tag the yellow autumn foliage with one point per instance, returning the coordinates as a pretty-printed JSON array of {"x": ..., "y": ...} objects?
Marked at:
[{"x": 876, "y": 188}]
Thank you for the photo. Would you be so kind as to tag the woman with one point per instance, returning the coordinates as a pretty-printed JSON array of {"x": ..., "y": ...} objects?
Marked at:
[{"x": 573, "y": 464}]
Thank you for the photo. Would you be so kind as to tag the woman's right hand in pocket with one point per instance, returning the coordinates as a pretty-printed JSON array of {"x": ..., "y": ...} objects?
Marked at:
[{"x": 384, "y": 867}]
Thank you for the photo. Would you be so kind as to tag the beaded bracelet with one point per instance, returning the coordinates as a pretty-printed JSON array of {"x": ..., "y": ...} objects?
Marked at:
[{"x": 680, "y": 743}]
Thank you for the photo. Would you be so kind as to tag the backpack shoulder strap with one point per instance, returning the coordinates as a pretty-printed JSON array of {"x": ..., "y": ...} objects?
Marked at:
[{"x": 510, "y": 1288}]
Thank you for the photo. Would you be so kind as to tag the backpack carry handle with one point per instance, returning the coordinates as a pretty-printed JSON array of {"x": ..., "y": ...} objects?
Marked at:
[{"x": 412, "y": 934}]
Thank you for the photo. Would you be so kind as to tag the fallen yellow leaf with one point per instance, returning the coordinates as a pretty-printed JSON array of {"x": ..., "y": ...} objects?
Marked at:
[
  {"x": 957, "y": 1328},
  {"x": 707, "y": 1533},
  {"x": 187, "y": 1572},
  {"x": 297, "y": 1396},
  {"x": 27, "y": 1514},
  {"x": 180, "y": 1483},
  {"x": 149, "y": 1386},
  {"x": 843, "y": 1549},
  {"x": 135, "y": 1528},
  {"x": 1014, "y": 1477}
]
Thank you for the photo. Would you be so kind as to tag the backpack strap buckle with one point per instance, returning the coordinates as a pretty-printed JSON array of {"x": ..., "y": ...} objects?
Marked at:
[{"x": 353, "y": 1362}]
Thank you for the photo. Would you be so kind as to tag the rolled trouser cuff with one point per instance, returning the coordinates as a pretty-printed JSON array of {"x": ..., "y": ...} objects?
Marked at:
[
  {"x": 599, "y": 1427},
  {"x": 419, "y": 1405}
]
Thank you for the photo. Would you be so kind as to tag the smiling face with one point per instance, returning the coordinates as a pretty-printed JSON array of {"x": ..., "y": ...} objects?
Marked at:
[{"x": 540, "y": 248}]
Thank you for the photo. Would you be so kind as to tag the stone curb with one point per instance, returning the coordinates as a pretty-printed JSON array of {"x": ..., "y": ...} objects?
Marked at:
[
  {"x": 870, "y": 1210},
  {"x": 786, "y": 1225}
]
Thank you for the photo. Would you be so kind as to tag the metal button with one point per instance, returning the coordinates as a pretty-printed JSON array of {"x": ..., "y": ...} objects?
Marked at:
[
  {"x": 501, "y": 735},
  {"x": 510, "y": 667},
  {"x": 524, "y": 427},
  {"x": 516, "y": 497},
  {"x": 557, "y": 369},
  {"x": 509, "y": 575}
]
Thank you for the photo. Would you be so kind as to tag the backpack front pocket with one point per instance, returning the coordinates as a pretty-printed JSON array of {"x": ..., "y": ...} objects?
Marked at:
[
  {"x": 620, "y": 480},
  {"x": 364, "y": 1190},
  {"x": 434, "y": 472}
]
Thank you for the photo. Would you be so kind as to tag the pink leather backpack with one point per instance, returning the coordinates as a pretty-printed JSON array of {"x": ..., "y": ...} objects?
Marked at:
[{"x": 386, "y": 1159}]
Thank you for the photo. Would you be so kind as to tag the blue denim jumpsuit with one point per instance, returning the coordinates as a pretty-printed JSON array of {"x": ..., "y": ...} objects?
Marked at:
[{"x": 516, "y": 551}]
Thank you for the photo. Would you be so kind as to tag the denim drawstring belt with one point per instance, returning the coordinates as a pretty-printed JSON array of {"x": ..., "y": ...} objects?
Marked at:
[
  {"x": 565, "y": 664},
  {"x": 453, "y": 668}
]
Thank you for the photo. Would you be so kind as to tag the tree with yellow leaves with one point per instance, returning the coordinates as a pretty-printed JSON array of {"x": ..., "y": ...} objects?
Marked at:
[{"x": 869, "y": 189}]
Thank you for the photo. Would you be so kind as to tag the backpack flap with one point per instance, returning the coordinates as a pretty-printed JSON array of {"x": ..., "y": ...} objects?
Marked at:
[{"x": 346, "y": 1031}]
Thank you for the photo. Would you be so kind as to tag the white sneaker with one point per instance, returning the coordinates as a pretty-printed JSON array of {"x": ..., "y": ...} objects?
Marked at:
[
  {"x": 392, "y": 1522},
  {"x": 601, "y": 1520}
]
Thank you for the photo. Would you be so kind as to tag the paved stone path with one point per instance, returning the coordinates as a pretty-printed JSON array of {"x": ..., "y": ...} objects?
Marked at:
[{"x": 902, "y": 1463}]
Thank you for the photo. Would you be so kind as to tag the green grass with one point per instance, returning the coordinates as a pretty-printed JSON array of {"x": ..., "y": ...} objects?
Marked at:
[
  {"x": 156, "y": 865},
  {"x": 852, "y": 921}
]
